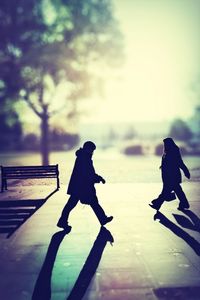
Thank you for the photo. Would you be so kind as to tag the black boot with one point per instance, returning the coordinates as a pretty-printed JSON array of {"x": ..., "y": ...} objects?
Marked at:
[
  {"x": 155, "y": 204},
  {"x": 64, "y": 225},
  {"x": 107, "y": 220}
]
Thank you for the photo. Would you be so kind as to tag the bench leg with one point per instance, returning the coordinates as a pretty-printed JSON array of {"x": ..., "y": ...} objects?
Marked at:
[{"x": 3, "y": 185}]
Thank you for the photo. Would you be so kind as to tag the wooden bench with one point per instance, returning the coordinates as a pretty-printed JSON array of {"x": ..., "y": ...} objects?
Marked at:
[{"x": 28, "y": 172}]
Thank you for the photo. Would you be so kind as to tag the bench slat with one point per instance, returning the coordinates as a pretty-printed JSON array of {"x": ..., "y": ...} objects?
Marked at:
[
  {"x": 31, "y": 177},
  {"x": 31, "y": 167},
  {"x": 28, "y": 170}
]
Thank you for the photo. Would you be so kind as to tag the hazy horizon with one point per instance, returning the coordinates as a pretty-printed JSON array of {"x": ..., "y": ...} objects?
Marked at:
[{"x": 157, "y": 81}]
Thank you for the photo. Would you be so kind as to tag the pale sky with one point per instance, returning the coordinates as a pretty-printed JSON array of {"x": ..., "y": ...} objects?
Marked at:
[{"x": 162, "y": 45}]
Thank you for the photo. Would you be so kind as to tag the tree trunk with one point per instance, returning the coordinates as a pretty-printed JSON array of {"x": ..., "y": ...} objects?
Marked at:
[{"x": 45, "y": 139}]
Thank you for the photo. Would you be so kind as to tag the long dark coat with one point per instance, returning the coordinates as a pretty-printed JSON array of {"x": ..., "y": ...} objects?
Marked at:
[
  {"x": 83, "y": 176},
  {"x": 170, "y": 167}
]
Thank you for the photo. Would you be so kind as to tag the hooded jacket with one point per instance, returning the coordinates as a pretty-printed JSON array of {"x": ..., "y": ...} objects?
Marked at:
[
  {"x": 83, "y": 176},
  {"x": 171, "y": 165}
]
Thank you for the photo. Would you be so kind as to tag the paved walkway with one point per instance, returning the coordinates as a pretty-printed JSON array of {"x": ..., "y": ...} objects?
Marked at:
[{"x": 152, "y": 257}]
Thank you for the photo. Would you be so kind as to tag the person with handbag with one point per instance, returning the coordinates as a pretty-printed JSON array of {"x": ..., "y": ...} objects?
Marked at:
[
  {"x": 171, "y": 167},
  {"x": 81, "y": 186}
]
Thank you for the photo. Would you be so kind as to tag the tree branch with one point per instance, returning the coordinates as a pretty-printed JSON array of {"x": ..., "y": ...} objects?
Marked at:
[
  {"x": 32, "y": 106},
  {"x": 41, "y": 91}
]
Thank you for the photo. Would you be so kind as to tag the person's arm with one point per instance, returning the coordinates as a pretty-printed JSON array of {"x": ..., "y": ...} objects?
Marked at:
[
  {"x": 97, "y": 178},
  {"x": 101, "y": 179},
  {"x": 183, "y": 167}
]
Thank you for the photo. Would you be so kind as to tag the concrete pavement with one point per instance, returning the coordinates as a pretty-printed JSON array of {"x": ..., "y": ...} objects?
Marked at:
[{"x": 152, "y": 257}]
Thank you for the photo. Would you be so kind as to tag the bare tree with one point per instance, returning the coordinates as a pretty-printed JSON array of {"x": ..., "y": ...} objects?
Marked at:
[{"x": 49, "y": 46}]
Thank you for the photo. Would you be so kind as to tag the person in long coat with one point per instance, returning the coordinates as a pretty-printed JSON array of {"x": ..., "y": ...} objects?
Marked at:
[
  {"x": 171, "y": 167},
  {"x": 81, "y": 186}
]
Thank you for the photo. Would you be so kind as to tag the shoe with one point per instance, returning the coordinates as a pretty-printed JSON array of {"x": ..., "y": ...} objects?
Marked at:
[
  {"x": 67, "y": 229},
  {"x": 154, "y": 206},
  {"x": 107, "y": 235},
  {"x": 63, "y": 225},
  {"x": 107, "y": 220},
  {"x": 157, "y": 216}
]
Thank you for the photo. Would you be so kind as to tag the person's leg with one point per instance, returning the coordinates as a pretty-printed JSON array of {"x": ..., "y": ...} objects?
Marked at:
[
  {"x": 99, "y": 212},
  {"x": 181, "y": 196},
  {"x": 72, "y": 202},
  {"x": 157, "y": 203}
]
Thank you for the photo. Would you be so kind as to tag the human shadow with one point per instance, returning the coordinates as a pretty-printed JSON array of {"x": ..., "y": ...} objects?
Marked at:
[
  {"x": 14, "y": 213},
  {"x": 193, "y": 223},
  {"x": 194, "y": 244},
  {"x": 91, "y": 264},
  {"x": 42, "y": 289}
]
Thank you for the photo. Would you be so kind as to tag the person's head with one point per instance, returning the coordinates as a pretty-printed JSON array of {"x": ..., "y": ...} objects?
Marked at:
[
  {"x": 89, "y": 147},
  {"x": 169, "y": 145}
]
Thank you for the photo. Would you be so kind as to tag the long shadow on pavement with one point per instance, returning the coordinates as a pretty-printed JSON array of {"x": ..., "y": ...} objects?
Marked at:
[
  {"x": 91, "y": 264},
  {"x": 42, "y": 288},
  {"x": 193, "y": 223},
  {"x": 13, "y": 213},
  {"x": 182, "y": 293},
  {"x": 194, "y": 244}
]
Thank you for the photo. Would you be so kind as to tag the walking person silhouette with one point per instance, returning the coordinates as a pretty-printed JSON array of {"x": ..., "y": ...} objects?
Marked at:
[
  {"x": 81, "y": 186},
  {"x": 171, "y": 176}
]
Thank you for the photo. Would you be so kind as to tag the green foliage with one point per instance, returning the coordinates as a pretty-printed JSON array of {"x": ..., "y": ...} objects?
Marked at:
[
  {"x": 54, "y": 41},
  {"x": 180, "y": 131},
  {"x": 60, "y": 140},
  {"x": 11, "y": 132},
  {"x": 54, "y": 37},
  {"x": 21, "y": 28}
]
